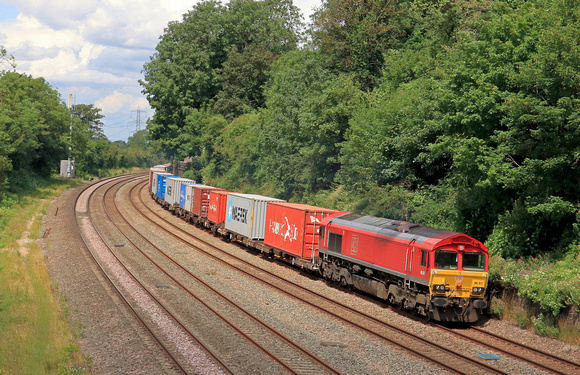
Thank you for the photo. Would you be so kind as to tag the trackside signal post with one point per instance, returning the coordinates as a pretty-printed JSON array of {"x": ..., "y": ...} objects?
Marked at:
[{"x": 67, "y": 168}]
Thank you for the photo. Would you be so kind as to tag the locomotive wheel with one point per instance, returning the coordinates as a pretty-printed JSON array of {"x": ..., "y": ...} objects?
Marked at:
[{"x": 393, "y": 302}]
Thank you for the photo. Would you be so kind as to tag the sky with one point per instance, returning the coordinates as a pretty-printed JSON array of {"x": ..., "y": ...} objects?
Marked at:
[{"x": 95, "y": 50}]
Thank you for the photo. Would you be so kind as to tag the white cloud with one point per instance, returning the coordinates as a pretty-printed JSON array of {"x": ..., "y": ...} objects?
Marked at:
[
  {"x": 119, "y": 101},
  {"x": 94, "y": 49}
]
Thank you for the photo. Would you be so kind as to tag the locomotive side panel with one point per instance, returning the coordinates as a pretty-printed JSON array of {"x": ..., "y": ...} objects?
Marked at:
[{"x": 392, "y": 255}]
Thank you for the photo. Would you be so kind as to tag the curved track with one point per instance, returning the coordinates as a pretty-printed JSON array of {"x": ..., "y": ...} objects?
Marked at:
[
  {"x": 170, "y": 329},
  {"x": 126, "y": 285},
  {"x": 292, "y": 357}
]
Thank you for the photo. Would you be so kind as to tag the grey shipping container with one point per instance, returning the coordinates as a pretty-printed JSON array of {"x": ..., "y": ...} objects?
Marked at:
[
  {"x": 246, "y": 214},
  {"x": 173, "y": 189}
]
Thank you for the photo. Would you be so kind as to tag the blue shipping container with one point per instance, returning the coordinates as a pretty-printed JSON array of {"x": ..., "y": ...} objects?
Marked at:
[
  {"x": 161, "y": 183},
  {"x": 183, "y": 196}
]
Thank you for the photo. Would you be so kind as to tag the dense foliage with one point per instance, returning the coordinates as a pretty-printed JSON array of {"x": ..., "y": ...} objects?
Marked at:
[
  {"x": 33, "y": 127},
  {"x": 216, "y": 57},
  {"x": 450, "y": 113}
]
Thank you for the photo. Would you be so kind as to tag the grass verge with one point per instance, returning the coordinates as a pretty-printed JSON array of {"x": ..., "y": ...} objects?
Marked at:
[{"x": 35, "y": 333}]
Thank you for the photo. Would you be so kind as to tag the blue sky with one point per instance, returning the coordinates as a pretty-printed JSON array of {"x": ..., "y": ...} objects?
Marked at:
[
  {"x": 94, "y": 49},
  {"x": 8, "y": 11}
]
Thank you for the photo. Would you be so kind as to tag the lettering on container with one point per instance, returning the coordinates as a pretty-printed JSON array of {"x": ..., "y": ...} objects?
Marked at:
[
  {"x": 240, "y": 214},
  {"x": 285, "y": 229},
  {"x": 213, "y": 207}
]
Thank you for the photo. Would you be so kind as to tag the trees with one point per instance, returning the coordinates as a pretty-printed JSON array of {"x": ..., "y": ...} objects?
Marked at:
[
  {"x": 460, "y": 111},
  {"x": 33, "y": 125},
  {"x": 482, "y": 109},
  {"x": 6, "y": 59},
  {"x": 354, "y": 35},
  {"x": 192, "y": 63},
  {"x": 90, "y": 115},
  {"x": 306, "y": 116}
]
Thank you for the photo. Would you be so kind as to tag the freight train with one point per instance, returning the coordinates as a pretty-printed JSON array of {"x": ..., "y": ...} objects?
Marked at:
[{"x": 436, "y": 273}]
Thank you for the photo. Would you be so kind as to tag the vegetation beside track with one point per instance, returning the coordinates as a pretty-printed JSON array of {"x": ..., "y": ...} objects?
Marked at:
[
  {"x": 540, "y": 294},
  {"x": 35, "y": 334}
]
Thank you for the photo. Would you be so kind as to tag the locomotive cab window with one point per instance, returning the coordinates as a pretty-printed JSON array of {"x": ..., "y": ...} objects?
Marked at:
[
  {"x": 424, "y": 258},
  {"x": 334, "y": 242},
  {"x": 473, "y": 261},
  {"x": 446, "y": 259}
]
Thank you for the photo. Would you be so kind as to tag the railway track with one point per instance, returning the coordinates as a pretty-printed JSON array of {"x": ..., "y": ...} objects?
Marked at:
[
  {"x": 163, "y": 328},
  {"x": 291, "y": 357},
  {"x": 505, "y": 346},
  {"x": 453, "y": 361},
  {"x": 91, "y": 240}
]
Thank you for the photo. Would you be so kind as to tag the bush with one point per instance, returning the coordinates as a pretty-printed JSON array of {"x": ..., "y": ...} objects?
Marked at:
[{"x": 553, "y": 284}]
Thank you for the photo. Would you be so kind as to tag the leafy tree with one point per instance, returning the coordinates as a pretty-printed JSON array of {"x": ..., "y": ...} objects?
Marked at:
[
  {"x": 243, "y": 77},
  {"x": 307, "y": 114},
  {"x": 6, "y": 59},
  {"x": 388, "y": 140},
  {"x": 92, "y": 116},
  {"x": 239, "y": 151},
  {"x": 354, "y": 35},
  {"x": 138, "y": 140},
  {"x": 184, "y": 73},
  {"x": 33, "y": 125},
  {"x": 512, "y": 129}
]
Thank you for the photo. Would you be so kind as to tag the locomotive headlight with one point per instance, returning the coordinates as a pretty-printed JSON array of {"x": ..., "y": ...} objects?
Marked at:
[
  {"x": 439, "y": 287},
  {"x": 478, "y": 290}
]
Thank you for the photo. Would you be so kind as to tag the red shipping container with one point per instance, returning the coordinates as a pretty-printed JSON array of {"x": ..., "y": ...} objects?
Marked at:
[
  {"x": 216, "y": 210},
  {"x": 294, "y": 228},
  {"x": 201, "y": 194}
]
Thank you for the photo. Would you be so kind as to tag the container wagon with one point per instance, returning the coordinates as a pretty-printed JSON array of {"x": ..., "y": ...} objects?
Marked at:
[{"x": 292, "y": 232}]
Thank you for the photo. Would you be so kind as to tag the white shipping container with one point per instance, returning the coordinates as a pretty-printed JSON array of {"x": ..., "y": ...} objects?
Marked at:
[
  {"x": 173, "y": 189},
  {"x": 189, "y": 196},
  {"x": 246, "y": 214}
]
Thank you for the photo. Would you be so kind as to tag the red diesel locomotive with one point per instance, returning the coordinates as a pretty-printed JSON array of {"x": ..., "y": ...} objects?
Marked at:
[{"x": 437, "y": 273}]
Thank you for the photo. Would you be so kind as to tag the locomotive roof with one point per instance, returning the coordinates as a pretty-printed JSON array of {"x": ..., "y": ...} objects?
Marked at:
[{"x": 392, "y": 228}]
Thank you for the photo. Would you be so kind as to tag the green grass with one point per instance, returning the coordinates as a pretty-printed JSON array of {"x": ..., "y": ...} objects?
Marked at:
[{"x": 35, "y": 333}]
